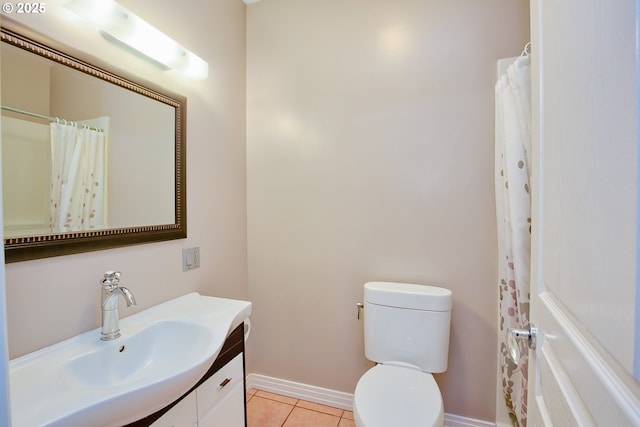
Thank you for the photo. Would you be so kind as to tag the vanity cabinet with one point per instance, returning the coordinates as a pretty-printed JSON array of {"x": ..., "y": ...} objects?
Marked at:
[
  {"x": 217, "y": 400},
  {"x": 183, "y": 414},
  {"x": 221, "y": 399}
]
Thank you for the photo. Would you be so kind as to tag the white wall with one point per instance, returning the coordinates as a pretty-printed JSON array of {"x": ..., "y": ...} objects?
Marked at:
[
  {"x": 370, "y": 157},
  {"x": 52, "y": 299}
]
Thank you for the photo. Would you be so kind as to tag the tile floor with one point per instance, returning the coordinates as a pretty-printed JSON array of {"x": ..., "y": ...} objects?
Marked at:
[{"x": 266, "y": 409}]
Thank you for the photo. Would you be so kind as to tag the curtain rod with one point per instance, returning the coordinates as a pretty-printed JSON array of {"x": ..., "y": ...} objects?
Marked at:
[
  {"x": 28, "y": 113},
  {"x": 39, "y": 116}
]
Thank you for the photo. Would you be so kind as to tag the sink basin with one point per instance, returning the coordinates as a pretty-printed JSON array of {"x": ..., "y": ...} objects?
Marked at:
[
  {"x": 150, "y": 353},
  {"x": 162, "y": 353}
]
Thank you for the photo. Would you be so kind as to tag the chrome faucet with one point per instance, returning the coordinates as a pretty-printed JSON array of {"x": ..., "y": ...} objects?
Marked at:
[{"x": 110, "y": 291}]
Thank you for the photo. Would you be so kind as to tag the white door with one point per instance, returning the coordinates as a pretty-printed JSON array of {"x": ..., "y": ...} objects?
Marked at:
[{"x": 585, "y": 214}]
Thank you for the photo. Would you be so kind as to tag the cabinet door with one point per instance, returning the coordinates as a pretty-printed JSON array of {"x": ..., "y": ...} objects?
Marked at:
[
  {"x": 221, "y": 399},
  {"x": 184, "y": 414},
  {"x": 229, "y": 412}
]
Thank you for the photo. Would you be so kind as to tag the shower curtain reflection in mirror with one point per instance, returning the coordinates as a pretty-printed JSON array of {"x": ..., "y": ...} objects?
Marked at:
[
  {"x": 56, "y": 176},
  {"x": 77, "y": 178}
]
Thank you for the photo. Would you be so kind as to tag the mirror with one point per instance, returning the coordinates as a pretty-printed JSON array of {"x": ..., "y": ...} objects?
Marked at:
[{"x": 90, "y": 159}]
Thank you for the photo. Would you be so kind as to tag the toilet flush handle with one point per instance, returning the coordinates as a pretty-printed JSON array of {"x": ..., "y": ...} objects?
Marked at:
[{"x": 360, "y": 308}]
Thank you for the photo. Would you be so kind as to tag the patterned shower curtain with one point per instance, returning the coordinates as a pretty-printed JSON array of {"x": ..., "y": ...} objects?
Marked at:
[
  {"x": 513, "y": 207},
  {"x": 77, "y": 178}
]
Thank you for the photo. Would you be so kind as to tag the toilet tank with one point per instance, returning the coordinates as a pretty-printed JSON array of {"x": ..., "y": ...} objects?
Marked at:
[{"x": 407, "y": 324}]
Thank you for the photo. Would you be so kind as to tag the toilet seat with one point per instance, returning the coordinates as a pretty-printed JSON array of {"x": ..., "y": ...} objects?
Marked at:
[{"x": 397, "y": 396}]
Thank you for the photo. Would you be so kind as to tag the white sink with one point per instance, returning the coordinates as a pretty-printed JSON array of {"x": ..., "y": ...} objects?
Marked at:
[
  {"x": 162, "y": 353},
  {"x": 152, "y": 352}
]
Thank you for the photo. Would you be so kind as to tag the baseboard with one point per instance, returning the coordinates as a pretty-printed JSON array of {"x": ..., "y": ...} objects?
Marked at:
[
  {"x": 324, "y": 396},
  {"x": 334, "y": 398},
  {"x": 451, "y": 420}
]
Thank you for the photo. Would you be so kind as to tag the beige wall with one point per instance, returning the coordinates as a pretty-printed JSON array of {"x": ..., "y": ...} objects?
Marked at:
[
  {"x": 370, "y": 157},
  {"x": 52, "y": 299}
]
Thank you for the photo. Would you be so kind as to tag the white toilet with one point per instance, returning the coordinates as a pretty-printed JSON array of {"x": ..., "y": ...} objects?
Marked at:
[{"x": 406, "y": 331}]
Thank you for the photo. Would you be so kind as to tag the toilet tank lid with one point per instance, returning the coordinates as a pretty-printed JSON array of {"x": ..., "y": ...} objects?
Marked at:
[{"x": 408, "y": 295}]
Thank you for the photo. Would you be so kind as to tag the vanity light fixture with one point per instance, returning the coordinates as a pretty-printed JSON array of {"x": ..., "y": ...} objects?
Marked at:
[{"x": 122, "y": 27}]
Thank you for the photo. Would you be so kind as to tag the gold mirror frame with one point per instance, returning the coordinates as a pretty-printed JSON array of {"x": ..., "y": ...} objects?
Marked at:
[{"x": 43, "y": 246}]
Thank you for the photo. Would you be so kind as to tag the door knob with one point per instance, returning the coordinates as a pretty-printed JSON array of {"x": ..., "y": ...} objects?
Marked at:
[{"x": 514, "y": 336}]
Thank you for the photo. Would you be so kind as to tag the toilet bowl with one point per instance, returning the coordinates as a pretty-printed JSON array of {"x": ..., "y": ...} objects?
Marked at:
[
  {"x": 389, "y": 396},
  {"x": 406, "y": 332}
]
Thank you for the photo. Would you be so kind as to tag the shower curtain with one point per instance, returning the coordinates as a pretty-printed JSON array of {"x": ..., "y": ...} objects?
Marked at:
[
  {"x": 513, "y": 208},
  {"x": 77, "y": 178}
]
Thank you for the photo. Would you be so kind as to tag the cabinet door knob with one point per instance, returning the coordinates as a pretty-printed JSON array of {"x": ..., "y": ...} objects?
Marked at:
[{"x": 224, "y": 383}]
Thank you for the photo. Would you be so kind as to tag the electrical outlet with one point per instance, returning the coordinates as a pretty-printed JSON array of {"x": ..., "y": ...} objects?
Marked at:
[{"x": 190, "y": 258}]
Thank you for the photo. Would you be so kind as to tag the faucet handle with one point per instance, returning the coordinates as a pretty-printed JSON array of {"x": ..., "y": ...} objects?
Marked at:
[{"x": 111, "y": 278}]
